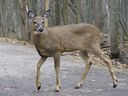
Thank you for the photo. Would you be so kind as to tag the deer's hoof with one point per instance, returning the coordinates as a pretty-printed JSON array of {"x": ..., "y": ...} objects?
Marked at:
[
  {"x": 38, "y": 87},
  {"x": 79, "y": 84},
  {"x": 57, "y": 89},
  {"x": 77, "y": 87},
  {"x": 115, "y": 85}
]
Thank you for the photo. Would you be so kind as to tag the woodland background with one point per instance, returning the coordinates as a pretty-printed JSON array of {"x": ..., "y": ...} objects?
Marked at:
[{"x": 111, "y": 16}]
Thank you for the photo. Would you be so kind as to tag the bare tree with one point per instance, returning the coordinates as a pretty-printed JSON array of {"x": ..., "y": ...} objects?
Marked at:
[
  {"x": 46, "y": 8},
  {"x": 57, "y": 12},
  {"x": 97, "y": 13},
  {"x": 114, "y": 26},
  {"x": 65, "y": 11}
]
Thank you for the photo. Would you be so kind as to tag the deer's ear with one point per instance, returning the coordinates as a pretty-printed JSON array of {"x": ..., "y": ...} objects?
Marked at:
[
  {"x": 47, "y": 13},
  {"x": 30, "y": 14}
]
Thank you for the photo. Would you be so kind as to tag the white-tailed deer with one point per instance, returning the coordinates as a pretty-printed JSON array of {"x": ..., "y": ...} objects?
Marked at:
[{"x": 53, "y": 41}]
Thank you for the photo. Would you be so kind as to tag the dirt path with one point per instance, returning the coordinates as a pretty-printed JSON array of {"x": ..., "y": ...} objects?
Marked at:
[{"x": 17, "y": 75}]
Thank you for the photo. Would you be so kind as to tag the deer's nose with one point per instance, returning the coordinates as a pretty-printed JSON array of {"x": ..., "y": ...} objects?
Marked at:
[{"x": 41, "y": 30}]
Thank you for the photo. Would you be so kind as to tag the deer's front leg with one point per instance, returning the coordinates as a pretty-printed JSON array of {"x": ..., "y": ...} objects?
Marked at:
[
  {"x": 87, "y": 68},
  {"x": 57, "y": 70},
  {"x": 39, "y": 64}
]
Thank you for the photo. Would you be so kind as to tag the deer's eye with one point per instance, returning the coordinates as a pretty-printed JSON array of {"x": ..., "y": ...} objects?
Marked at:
[{"x": 34, "y": 22}]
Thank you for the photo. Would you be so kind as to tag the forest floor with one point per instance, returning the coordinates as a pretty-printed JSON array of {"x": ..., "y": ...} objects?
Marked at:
[{"x": 18, "y": 68}]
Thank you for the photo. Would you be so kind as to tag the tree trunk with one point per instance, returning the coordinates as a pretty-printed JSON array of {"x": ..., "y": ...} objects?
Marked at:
[
  {"x": 114, "y": 33},
  {"x": 106, "y": 22},
  {"x": 57, "y": 12},
  {"x": 78, "y": 10},
  {"x": 65, "y": 11},
  {"x": 46, "y": 8},
  {"x": 97, "y": 13}
]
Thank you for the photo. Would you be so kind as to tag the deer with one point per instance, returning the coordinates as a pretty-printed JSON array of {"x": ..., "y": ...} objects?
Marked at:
[{"x": 53, "y": 41}]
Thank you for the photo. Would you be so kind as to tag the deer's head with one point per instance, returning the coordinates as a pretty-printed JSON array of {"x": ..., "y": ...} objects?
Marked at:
[{"x": 38, "y": 22}]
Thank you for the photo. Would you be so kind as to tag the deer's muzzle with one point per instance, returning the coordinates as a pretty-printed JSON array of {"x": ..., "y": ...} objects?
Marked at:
[{"x": 40, "y": 29}]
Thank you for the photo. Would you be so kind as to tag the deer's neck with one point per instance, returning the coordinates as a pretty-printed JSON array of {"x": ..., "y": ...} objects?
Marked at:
[{"x": 38, "y": 37}]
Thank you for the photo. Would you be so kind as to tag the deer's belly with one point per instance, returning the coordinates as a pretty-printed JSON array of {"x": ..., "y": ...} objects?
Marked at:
[{"x": 45, "y": 52}]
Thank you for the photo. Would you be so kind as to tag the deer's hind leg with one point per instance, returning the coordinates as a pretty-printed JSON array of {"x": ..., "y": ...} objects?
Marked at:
[
  {"x": 87, "y": 68},
  {"x": 108, "y": 62}
]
